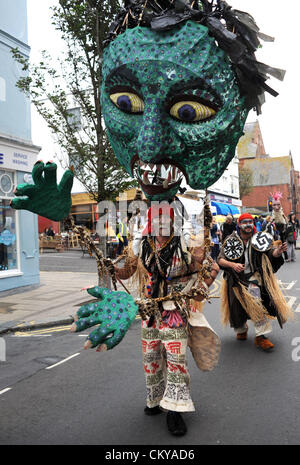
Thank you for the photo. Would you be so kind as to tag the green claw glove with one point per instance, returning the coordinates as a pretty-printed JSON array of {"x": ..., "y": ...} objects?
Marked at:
[
  {"x": 45, "y": 197},
  {"x": 114, "y": 313}
]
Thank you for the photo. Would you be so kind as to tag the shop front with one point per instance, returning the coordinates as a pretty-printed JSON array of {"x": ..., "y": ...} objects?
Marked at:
[
  {"x": 222, "y": 205},
  {"x": 19, "y": 251},
  {"x": 84, "y": 211}
]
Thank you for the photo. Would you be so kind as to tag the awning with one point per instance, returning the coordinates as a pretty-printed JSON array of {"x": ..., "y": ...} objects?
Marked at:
[
  {"x": 224, "y": 208},
  {"x": 234, "y": 210}
]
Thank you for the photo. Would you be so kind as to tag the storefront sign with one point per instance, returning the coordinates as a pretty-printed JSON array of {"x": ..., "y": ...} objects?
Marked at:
[
  {"x": 228, "y": 200},
  {"x": 17, "y": 159},
  {"x": 7, "y": 238}
]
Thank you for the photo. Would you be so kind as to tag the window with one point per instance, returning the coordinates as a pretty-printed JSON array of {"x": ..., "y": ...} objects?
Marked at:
[
  {"x": 2, "y": 90},
  {"x": 234, "y": 185},
  {"x": 8, "y": 236}
]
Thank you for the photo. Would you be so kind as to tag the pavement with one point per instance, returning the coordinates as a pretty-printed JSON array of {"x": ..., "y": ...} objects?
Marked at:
[
  {"x": 56, "y": 299},
  {"x": 53, "y": 302}
]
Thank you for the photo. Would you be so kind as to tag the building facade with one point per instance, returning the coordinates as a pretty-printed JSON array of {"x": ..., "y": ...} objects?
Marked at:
[
  {"x": 225, "y": 194},
  {"x": 19, "y": 250},
  {"x": 269, "y": 174}
]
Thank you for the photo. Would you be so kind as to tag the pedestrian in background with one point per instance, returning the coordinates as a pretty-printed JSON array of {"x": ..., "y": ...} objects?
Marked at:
[
  {"x": 291, "y": 234},
  {"x": 270, "y": 228},
  {"x": 215, "y": 234},
  {"x": 50, "y": 232},
  {"x": 258, "y": 224},
  {"x": 228, "y": 227},
  {"x": 122, "y": 234}
]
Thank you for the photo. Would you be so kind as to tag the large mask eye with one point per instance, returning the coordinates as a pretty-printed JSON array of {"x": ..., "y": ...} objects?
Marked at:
[
  {"x": 128, "y": 102},
  {"x": 190, "y": 112}
]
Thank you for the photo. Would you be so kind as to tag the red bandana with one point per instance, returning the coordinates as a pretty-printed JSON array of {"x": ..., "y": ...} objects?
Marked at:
[
  {"x": 245, "y": 216},
  {"x": 157, "y": 210}
]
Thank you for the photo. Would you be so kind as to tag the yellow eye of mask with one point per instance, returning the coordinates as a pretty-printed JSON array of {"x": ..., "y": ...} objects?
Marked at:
[
  {"x": 128, "y": 102},
  {"x": 190, "y": 111}
]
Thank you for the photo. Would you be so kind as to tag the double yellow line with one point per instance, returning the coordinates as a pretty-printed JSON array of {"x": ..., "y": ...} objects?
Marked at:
[{"x": 46, "y": 331}]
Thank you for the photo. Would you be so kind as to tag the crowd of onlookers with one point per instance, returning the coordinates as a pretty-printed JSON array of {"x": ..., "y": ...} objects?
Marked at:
[{"x": 219, "y": 232}]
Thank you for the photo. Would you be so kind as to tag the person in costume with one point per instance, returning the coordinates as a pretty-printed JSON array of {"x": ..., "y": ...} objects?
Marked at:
[
  {"x": 178, "y": 80},
  {"x": 167, "y": 264},
  {"x": 250, "y": 290},
  {"x": 279, "y": 218}
]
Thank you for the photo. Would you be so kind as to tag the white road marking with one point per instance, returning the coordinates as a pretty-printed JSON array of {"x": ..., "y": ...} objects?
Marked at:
[
  {"x": 4, "y": 390},
  {"x": 287, "y": 286},
  {"x": 62, "y": 361},
  {"x": 291, "y": 300},
  {"x": 31, "y": 335}
]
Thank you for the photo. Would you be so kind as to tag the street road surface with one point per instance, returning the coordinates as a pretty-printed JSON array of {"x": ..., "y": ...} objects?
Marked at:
[{"x": 54, "y": 392}]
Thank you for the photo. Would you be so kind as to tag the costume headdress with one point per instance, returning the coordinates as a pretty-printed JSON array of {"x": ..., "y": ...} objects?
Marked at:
[
  {"x": 276, "y": 195},
  {"x": 234, "y": 31}
]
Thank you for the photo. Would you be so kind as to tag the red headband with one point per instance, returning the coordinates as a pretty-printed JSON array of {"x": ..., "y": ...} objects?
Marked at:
[
  {"x": 245, "y": 216},
  {"x": 154, "y": 212}
]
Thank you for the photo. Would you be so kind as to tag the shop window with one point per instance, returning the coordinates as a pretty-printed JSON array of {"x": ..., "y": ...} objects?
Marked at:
[
  {"x": 6, "y": 184},
  {"x": 8, "y": 235}
]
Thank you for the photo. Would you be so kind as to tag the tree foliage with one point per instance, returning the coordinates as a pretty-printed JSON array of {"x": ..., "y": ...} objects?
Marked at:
[
  {"x": 57, "y": 86},
  {"x": 245, "y": 181}
]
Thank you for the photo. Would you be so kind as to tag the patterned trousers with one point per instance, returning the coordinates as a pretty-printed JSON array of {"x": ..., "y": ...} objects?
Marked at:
[
  {"x": 261, "y": 328},
  {"x": 165, "y": 365}
]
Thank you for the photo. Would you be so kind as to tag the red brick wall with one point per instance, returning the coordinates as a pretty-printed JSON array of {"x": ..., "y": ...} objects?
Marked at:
[
  {"x": 45, "y": 223},
  {"x": 258, "y": 197}
]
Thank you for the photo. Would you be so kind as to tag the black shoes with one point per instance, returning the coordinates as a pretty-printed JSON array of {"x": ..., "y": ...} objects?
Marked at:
[
  {"x": 175, "y": 424},
  {"x": 152, "y": 411}
]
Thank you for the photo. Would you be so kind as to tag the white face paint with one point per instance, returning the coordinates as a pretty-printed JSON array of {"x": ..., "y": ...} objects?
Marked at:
[
  {"x": 276, "y": 205},
  {"x": 246, "y": 226}
]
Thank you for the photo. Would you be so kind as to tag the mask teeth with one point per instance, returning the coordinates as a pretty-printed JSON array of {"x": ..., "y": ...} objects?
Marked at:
[
  {"x": 145, "y": 178},
  {"x": 165, "y": 184},
  {"x": 163, "y": 174}
]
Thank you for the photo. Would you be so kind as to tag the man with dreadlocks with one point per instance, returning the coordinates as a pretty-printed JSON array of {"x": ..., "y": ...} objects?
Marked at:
[
  {"x": 250, "y": 289},
  {"x": 169, "y": 266}
]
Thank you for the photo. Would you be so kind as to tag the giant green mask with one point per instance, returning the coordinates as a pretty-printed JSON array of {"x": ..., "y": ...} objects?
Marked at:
[{"x": 170, "y": 99}]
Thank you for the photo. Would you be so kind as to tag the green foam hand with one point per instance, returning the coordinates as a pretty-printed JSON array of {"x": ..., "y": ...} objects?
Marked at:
[
  {"x": 114, "y": 314},
  {"x": 45, "y": 197}
]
